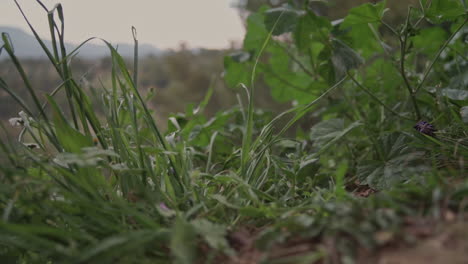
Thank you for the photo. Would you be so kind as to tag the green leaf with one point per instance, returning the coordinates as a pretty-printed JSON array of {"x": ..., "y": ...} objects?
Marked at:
[
  {"x": 344, "y": 58},
  {"x": 70, "y": 139},
  {"x": 382, "y": 77},
  {"x": 434, "y": 35},
  {"x": 256, "y": 31},
  {"x": 281, "y": 20},
  {"x": 326, "y": 130},
  {"x": 443, "y": 10},
  {"x": 293, "y": 86},
  {"x": 287, "y": 82},
  {"x": 364, "y": 14},
  {"x": 397, "y": 164},
  {"x": 363, "y": 40},
  {"x": 214, "y": 235},
  {"x": 183, "y": 242},
  {"x": 235, "y": 72},
  {"x": 311, "y": 28}
]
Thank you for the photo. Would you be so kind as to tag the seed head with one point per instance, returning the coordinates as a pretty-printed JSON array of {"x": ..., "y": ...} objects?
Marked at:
[{"x": 425, "y": 128}]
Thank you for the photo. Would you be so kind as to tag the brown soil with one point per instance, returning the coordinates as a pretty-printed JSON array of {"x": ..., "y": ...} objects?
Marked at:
[{"x": 423, "y": 241}]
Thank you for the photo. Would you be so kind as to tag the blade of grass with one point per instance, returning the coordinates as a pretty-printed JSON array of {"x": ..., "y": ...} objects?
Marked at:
[{"x": 248, "y": 133}]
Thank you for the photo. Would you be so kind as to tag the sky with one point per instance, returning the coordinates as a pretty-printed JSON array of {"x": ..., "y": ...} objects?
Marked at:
[{"x": 161, "y": 23}]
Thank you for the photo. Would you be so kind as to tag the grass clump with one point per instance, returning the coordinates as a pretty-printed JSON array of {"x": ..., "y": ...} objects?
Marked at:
[{"x": 82, "y": 187}]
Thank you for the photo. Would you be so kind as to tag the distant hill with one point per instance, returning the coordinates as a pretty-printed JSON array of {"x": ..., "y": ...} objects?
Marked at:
[{"x": 26, "y": 46}]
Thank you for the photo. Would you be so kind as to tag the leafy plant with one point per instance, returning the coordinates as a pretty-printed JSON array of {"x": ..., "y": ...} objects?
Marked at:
[{"x": 83, "y": 187}]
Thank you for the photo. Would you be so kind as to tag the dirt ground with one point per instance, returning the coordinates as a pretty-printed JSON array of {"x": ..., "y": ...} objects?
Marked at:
[{"x": 425, "y": 242}]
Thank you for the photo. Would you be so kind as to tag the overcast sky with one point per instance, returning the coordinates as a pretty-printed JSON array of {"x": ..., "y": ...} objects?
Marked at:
[{"x": 162, "y": 23}]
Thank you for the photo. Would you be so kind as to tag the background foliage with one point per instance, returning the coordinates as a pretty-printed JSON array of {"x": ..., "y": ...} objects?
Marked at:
[{"x": 93, "y": 178}]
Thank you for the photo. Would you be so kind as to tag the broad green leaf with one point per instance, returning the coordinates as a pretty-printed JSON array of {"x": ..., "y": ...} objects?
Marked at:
[
  {"x": 293, "y": 86},
  {"x": 235, "y": 72},
  {"x": 399, "y": 163},
  {"x": 443, "y": 10},
  {"x": 311, "y": 28},
  {"x": 344, "y": 58},
  {"x": 363, "y": 40},
  {"x": 383, "y": 78},
  {"x": 436, "y": 36},
  {"x": 256, "y": 32},
  {"x": 281, "y": 20},
  {"x": 364, "y": 14},
  {"x": 286, "y": 81},
  {"x": 328, "y": 132}
]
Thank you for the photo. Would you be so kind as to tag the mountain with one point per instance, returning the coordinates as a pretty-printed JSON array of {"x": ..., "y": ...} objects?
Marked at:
[{"x": 26, "y": 46}]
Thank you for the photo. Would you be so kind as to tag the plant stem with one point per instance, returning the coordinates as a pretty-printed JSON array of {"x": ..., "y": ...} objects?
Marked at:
[
  {"x": 389, "y": 28},
  {"x": 297, "y": 61},
  {"x": 376, "y": 98},
  {"x": 426, "y": 73},
  {"x": 411, "y": 92}
]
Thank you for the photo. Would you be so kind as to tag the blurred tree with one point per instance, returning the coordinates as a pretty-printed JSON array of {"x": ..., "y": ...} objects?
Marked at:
[{"x": 334, "y": 9}]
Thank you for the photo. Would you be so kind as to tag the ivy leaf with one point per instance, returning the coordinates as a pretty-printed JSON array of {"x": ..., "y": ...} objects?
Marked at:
[
  {"x": 285, "y": 19},
  {"x": 364, "y": 14}
]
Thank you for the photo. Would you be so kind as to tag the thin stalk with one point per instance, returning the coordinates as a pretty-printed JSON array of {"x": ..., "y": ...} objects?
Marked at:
[
  {"x": 283, "y": 80},
  {"x": 403, "y": 42},
  {"x": 135, "y": 122},
  {"x": 376, "y": 98},
  {"x": 247, "y": 139},
  {"x": 426, "y": 73},
  {"x": 390, "y": 28},
  {"x": 297, "y": 61},
  {"x": 66, "y": 71}
]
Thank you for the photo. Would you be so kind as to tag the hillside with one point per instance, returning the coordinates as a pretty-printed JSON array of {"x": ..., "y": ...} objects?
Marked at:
[{"x": 26, "y": 46}]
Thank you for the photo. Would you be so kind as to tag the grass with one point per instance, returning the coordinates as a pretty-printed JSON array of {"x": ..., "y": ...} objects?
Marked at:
[{"x": 82, "y": 188}]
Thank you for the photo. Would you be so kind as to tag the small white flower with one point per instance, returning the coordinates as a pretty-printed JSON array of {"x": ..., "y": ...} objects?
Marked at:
[
  {"x": 16, "y": 121},
  {"x": 25, "y": 118}
]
